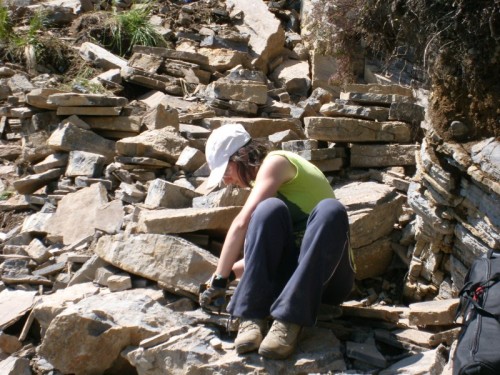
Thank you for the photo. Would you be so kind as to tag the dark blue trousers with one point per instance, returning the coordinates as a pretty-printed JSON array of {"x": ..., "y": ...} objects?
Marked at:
[{"x": 286, "y": 282}]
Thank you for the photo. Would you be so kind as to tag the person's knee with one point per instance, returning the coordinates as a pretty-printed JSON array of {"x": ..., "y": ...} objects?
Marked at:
[
  {"x": 332, "y": 210},
  {"x": 270, "y": 208}
]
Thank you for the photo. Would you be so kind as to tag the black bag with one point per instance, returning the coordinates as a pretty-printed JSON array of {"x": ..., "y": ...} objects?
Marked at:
[{"x": 478, "y": 347}]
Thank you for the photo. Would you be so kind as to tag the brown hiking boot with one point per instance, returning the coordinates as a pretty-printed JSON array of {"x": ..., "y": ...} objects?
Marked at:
[
  {"x": 250, "y": 334},
  {"x": 281, "y": 340}
]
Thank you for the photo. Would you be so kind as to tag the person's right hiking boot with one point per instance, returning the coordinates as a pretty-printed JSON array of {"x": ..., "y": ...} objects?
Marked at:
[
  {"x": 250, "y": 335},
  {"x": 281, "y": 340}
]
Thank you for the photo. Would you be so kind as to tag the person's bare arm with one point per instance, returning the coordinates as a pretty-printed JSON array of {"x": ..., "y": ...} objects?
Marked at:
[{"x": 275, "y": 171}]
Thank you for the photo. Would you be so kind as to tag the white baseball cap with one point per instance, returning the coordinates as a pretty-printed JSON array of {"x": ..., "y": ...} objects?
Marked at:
[{"x": 221, "y": 144}]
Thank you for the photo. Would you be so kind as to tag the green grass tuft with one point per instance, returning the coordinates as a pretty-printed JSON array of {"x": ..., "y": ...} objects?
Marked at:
[{"x": 132, "y": 28}]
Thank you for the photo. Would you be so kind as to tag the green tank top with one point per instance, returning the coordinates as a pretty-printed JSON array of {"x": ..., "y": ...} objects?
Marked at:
[{"x": 303, "y": 192}]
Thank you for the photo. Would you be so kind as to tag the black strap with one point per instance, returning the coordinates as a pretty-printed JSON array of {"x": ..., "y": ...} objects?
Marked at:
[
  {"x": 467, "y": 296},
  {"x": 482, "y": 311}
]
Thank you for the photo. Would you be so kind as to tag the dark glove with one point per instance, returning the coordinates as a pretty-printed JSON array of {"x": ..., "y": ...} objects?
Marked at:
[{"x": 213, "y": 293}]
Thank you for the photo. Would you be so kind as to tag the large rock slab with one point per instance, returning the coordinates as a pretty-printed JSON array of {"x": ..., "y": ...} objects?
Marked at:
[
  {"x": 88, "y": 337},
  {"x": 168, "y": 195},
  {"x": 366, "y": 203},
  {"x": 178, "y": 265},
  {"x": 354, "y": 130},
  {"x": 257, "y": 127},
  {"x": 38, "y": 98},
  {"x": 86, "y": 100},
  {"x": 251, "y": 91},
  {"x": 267, "y": 37},
  {"x": 376, "y": 156},
  {"x": 49, "y": 306},
  {"x": 119, "y": 123},
  {"x": 72, "y": 138},
  {"x": 79, "y": 214},
  {"x": 13, "y": 305},
  {"x": 293, "y": 75},
  {"x": 32, "y": 183},
  {"x": 373, "y": 259},
  {"x": 160, "y": 144},
  {"x": 432, "y": 313},
  {"x": 100, "y": 57},
  {"x": 185, "y": 220}
]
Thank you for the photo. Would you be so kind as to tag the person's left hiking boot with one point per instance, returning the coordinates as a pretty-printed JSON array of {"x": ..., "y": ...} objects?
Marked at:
[
  {"x": 281, "y": 340},
  {"x": 250, "y": 334}
]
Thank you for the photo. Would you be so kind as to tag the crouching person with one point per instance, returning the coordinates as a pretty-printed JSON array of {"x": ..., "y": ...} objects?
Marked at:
[{"x": 295, "y": 239}]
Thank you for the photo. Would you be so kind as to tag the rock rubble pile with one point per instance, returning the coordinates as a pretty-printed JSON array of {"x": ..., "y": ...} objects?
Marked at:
[{"x": 117, "y": 231}]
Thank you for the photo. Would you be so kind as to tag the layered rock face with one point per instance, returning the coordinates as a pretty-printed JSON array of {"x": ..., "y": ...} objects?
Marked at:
[{"x": 118, "y": 230}]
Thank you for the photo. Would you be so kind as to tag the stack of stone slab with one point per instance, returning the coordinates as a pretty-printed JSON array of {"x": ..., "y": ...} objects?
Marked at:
[{"x": 456, "y": 199}]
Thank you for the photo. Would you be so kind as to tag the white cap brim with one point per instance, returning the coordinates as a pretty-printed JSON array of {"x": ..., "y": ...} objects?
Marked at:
[{"x": 216, "y": 175}]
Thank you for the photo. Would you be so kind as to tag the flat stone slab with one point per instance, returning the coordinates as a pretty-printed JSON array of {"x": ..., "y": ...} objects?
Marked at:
[
  {"x": 430, "y": 313},
  {"x": 336, "y": 129},
  {"x": 13, "y": 305},
  {"x": 184, "y": 220},
  {"x": 179, "y": 265},
  {"x": 256, "y": 127},
  {"x": 85, "y": 100}
]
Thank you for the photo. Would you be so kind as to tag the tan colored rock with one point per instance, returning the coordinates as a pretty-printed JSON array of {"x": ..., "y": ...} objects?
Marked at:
[
  {"x": 13, "y": 305},
  {"x": 192, "y": 351},
  {"x": 354, "y": 130},
  {"x": 379, "y": 89},
  {"x": 76, "y": 338},
  {"x": 86, "y": 100},
  {"x": 166, "y": 194},
  {"x": 376, "y": 156},
  {"x": 161, "y": 144},
  {"x": 293, "y": 75},
  {"x": 57, "y": 160},
  {"x": 186, "y": 220},
  {"x": 429, "y": 362},
  {"x": 9, "y": 344},
  {"x": 37, "y": 251},
  {"x": 117, "y": 283},
  {"x": 387, "y": 313},
  {"x": 323, "y": 67},
  {"x": 256, "y": 127},
  {"x": 226, "y": 197},
  {"x": 32, "y": 183},
  {"x": 436, "y": 312},
  {"x": 51, "y": 305},
  {"x": 161, "y": 116},
  {"x": 190, "y": 159},
  {"x": 100, "y": 56},
  {"x": 39, "y": 98},
  {"x": 179, "y": 265},
  {"x": 192, "y": 57},
  {"x": 71, "y": 138},
  {"x": 267, "y": 37},
  {"x": 366, "y": 203},
  {"x": 89, "y": 111},
  {"x": 355, "y": 111},
  {"x": 93, "y": 212},
  {"x": 254, "y": 92},
  {"x": 221, "y": 59},
  {"x": 15, "y": 366},
  {"x": 373, "y": 259}
]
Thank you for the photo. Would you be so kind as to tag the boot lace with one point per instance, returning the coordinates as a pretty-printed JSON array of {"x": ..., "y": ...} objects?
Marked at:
[
  {"x": 250, "y": 325},
  {"x": 283, "y": 330}
]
